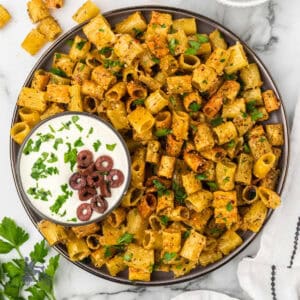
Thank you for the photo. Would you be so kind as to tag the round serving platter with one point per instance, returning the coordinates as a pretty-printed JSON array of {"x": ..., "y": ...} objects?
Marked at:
[{"x": 205, "y": 25}]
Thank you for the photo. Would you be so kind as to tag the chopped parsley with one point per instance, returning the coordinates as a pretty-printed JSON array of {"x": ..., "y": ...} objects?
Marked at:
[
  {"x": 51, "y": 128},
  {"x": 164, "y": 220},
  {"x": 80, "y": 45},
  {"x": 216, "y": 121},
  {"x": 163, "y": 26},
  {"x": 61, "y": 199},
  {"x": 75, "y": 120},
  {"x": 40, "y": 169},
  {"x": 109, "y": 63},
  {"x": 212, "y": 185},
  {"x": 72, "y": 220},
  {"x": 230, "y": 76},
  {"x": 262, "y": 139},
  {"x": 195, "y": 45},
  {"x": 155, "y": 60},
  {"x": 101, "y": 29},
  {"x": 65, "y": 126},
  {"x": 169, "y": 256},
  {"x": 256, "y": 115},
  {"x": 78, "y": 143},
  {"x": 226, "y": 179},
  {"x": 105, "y": 50},
  {"x": 128, "y": 256},
  {"x": 126, "y": 238},
  {"x": 161, "y": 188},
  {"x": 57, "y": 142},
  {"x": 201, "y": 176},
  {"x": 138, "y": 33},
  {"x": 195, "y": 106},
  {"x": 58, "y": 72},
  {"x": 253, "y": 111},
  {"x": 229, "y": 206},
  {"x": 57, "y": 55},
  {"x": 246, "y": 148},
  {"x": 179, "y": 193},
  {"x": 172, "y": 45},
  {"x": 53, "y": 158},
  {"x": 35, "y": 146},
  {"x": 186, "y": 234},
  {"x": 70, "y": 43},
  {"x": 231, "y": 144},
  {"x": 162, "y": 132},
  {"x": 70, "y": 156},
  {"x": 97, "y": 145},
  {"x": 110, "y": 147},
  {"x": 222, "y": 60},
  {"x": 194, "y": 128},
  {"x": 39, "y": 193},
  {"x": 139, "y": 101},
  {"x": 91, "y": 130}
]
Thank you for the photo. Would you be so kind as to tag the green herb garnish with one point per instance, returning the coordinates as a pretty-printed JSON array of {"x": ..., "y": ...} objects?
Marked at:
[
  {"x": 61, "y": 199},
  {"x": 155, "y": 60},
  {"x": 246, "y": 148},
  {"x": 57, "y": 55},
  {"x": 25, "y": 274},
  {"x": 162, "y": 132},
  {"x": 75, "y": 120},
  {"x": 110, "y": 147},
  {"x": 78, "y": 143},
  {"x": 216, "y": 121},
  {"x": 169, "y": 256},
  {"x": 212, "y": 185},
  {"x": 58, "y": 72},
  {"x": 101, "y": 29},
  {"x": 128, "y": 256},
  {"x": 32, "y": 146},
  {"x": 161, "y": 188},
  {"x": 97, "y": 145},
  {"x": 108, "y": 63},
  {"x": 164, "y": 220},
  {"x": 105, "y": 50},
  {"x": 139, "y": 101},
  {"x": 39, "y": 193},
  {"x": 138, "y": 33},
  {"x": 179, "y": 193},
  {"x": 231, "y": 144},
  {"x": 201, "y": 176},
  {"x": 195, "y": 106},
  {"x": 229, "y": 206},
  {"x": 256, "y": 115},
  {"x": 70, "y": 156},
  {"x": 172, "y": 45},
  {"x": 186, "y": 234},
  {"x": 80, "y": 45},
  {"x": 57, "y": 142},
  {"x": 52, "y": 159},
  {"x": 91, "y": 130},
  {"x": 40, "y": 170},
  {"x": 65, "y": 126},
  {"x": 226, "y": 179},
  {"x": 126, "y": 238}
]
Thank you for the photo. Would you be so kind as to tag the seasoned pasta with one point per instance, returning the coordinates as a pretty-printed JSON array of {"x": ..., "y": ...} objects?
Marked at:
[{"x": 203, "y": 167}]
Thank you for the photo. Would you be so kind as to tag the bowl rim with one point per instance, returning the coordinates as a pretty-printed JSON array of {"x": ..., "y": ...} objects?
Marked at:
[
  {"x": 285, "y": 163},
  {"x": 20, "y": 155}
]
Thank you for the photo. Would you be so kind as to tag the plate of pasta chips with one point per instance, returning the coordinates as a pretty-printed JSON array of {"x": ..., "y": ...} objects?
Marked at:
[{"x": 205, "y": 127}]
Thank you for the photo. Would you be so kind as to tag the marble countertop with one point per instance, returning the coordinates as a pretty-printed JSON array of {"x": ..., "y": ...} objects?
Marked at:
[{"x": 270, "y": 29}]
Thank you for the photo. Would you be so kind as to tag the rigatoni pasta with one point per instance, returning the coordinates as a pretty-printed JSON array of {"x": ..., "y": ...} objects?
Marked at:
[{"x": 203, "y": 166}]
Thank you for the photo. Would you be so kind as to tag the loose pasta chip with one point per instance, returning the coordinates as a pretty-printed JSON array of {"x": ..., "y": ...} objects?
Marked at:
[
  {"x": 50, "y": 28},
  {"x": 4, "y": 16},
  {"x": 34, "y": 41},
  {"x": 37, "y": 10},
  {"x": 87, "y": 11}
]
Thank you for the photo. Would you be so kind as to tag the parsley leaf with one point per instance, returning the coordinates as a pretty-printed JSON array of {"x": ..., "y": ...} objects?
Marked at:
[
  {"x": 256, "y": 115},
  {"x": 179, "y": 193},
  {"x": 195, "y": 106},
  {"x": 105, "y": 51},
  {"x": 40, "y": 169},
  {"x": 80, "y": 45},
  {"x": 110, "y": 147},
  {"x": 162, "y": 132},
  {"x": 201, "y": 176},
  {"x": 126, "y": 238},
  {"x": 216, "y": 121},
  {"x": 57, "y": 142},
  {"x": 58, "y": 72},
  {"x": 139, "y": 101},
  {"x": 246, "y": 148},
  {"x": 155, "y": 60},
  {"x": 78, "y": 143},
  {"x": 70, "y": 156},
  {"x": 229, "y": 206},
  {"x": 40, "y": 194},
  {"x": 231, "y": 144},
  {"x": 164, "y": 220},
  {"x": 40, "y": 251},
  {"x": 172, "y": 45},
  {"x": 138, "y": 33},
  {"x": 186, "y": 234},
  {"x": 169, "y": 256},
  {"x": 128, "y": 256},
  {"x": 226, "y": 179},
  {"x": 12, "y": 233},
  {"x": 75, "y": 120},
  {"x": 161, "y": 188},
  {"x": 61, "y": 199},
  {"x": 91, "y": 130},
  {"x": 212, "y": 185}
]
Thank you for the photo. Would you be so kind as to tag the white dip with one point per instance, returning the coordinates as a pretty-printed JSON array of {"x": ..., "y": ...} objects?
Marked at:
[{"x": 48, "y": 149}]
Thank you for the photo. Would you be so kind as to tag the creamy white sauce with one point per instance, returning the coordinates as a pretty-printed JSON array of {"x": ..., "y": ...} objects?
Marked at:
[{"x": 52, "y": 183}]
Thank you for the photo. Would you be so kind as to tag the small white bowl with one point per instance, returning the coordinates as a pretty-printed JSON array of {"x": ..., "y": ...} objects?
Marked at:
[
  {"x": 58, "y": 134},
  {"x": 242, "y": 3}
]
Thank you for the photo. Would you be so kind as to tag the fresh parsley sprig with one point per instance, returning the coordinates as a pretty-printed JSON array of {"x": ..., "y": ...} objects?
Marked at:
[{"x": 25, "y": 273}]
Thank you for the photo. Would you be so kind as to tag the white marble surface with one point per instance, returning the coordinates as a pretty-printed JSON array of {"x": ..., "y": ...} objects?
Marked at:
[{"x": 270, "y": 29}]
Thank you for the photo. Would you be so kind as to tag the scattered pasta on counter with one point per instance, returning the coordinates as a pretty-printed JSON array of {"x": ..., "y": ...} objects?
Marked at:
[
  {"x": 190, "y": 107},
  {"x": 4, "y": 16}
]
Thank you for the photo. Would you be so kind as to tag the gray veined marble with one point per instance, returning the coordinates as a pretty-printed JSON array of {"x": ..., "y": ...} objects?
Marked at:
[{"x": 271, "y": 29}]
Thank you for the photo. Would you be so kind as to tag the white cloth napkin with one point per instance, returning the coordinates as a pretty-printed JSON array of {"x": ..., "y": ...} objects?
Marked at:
[
  {"x": 274, "y": 273},
  {"x": 203, "y": 295}
]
